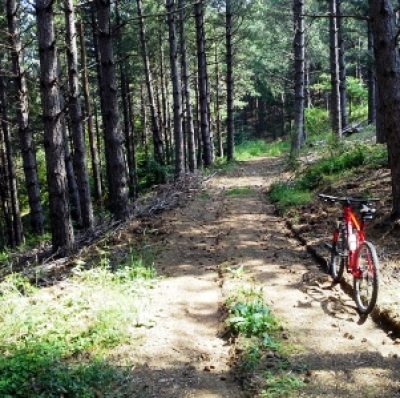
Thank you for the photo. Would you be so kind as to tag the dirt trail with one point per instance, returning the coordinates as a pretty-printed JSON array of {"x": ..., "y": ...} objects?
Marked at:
[{"x": 182, "y": 356}]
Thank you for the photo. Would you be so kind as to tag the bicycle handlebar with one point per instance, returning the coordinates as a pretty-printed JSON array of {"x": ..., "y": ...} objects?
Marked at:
[{"x": 347, "y": 200}]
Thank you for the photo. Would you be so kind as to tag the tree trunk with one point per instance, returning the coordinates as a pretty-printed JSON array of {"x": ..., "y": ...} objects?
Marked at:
[
  {"x": 371, "y": 79},
  {"x": 283, "y": 114},
  {"x": 176, "y": 91},
  {"x": 144, "y": 121},
  {"x": 17, "y": 229},
  {"x": 75, "y": 206},
  {"x": 335, "y": 72},
  {"x": 230, "y": 133},
  {"x": 125, "y": 107},
  {"x": 298, "y": 48},
  {"x": 307, "y": 91},
  {"x": 164, "y": 102},
  {"x": 5, "y": 193},
  {"x": 203, "y": 85},
  {"x": 186, "y": 90},
  {"x": 89, "y": 115},
  {"x": 217, "y": 106},
  {"x": 197, "y": 125},
  {"x": 61, "y": 228},
  {"x": 158, "y": 144},
  {"x": 342, "y": 66},
  {"x": 75, "y": 112},
  {"x": 22, "y": 110},
  {"x": 388, "y": 83},
  {"x": 133, "y": 145},
  {"x": 116, "y": 173}
]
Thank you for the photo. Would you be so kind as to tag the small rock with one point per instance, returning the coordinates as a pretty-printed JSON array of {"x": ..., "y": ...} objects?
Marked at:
[
  {"x": 396, "y": 341},
  {"x": 308, "y": 373},
  {"x": 307, "y": 380},
  {"x": 285, "y": 336},
  {"x": 364, "y": 340},
  {"x": 222, "y": 377},
  {"x": 348, "y": 336},
  {"x": 207, "y": 368},
  {"x": 395, "y": 356},
  {"x": 270, "y": 354}
]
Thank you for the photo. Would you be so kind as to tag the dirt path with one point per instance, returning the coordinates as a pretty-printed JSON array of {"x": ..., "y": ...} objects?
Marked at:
[{"x": 182, "y": 356}]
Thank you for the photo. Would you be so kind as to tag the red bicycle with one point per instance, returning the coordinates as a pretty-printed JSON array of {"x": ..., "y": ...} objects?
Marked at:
[{"x": 352, "y": 251}]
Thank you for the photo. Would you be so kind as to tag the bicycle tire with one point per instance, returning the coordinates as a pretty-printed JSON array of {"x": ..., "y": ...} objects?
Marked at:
[
  {"x": 338, "y": 259},
  {"x": 369, "y": 277}
]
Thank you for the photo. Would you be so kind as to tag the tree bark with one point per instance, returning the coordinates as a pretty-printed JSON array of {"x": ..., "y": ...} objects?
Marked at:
[
  {"x": 371, "y": 79},
  {"x": 89, "y": 115},
  {"x": 17, "y": 229},
  {"x": 133, "y": 145},
  {"x": 116, "y": 173},
  {"x": 125, "y": 107},
  {"x": 157, "y": 139},
  {"x": 342, "y": 66},
  {"x": 298, "y": 48},
  {"x": 22, "y": 110},
  {"x": 187, "y": 91},
  {"x": 307, "y": 91},
  {"x": 164, "y": 101},
  {"x": 217, "y": 106},
  {"x": 75, "y": 206},
  {"x": 388, "y": 83},
  {"x": 203, "y": 85},
  {"x": 335, "y": 70},
  {"x": 75, "y": 112},
  {"x": 61, "y": 228},
  {"x": 176, "y": 90},
  {"x": 230, "y": 133},
  {"x": 5, "y": 193},
  {"x": 143, "y": 110}
]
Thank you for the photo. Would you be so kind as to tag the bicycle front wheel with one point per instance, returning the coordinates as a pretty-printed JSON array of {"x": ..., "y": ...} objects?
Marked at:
[
  {"x": 338, "y": 256},
  {"x": 366, "y": 285}
]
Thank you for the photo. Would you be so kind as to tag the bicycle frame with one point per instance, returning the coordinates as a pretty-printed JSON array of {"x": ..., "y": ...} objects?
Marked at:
[{"x": 353, "y": 225}]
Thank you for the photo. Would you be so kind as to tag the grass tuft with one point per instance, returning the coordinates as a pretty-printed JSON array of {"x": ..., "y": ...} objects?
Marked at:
[
  {"x": 240, "y": 191},
  {"x": 253, "y": 149}
]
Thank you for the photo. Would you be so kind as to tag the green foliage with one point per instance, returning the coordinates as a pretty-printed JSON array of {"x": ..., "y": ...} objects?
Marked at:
[
  {"x": 287, "y": 195},
  {"x": 327, "y": 169},
  {"x": 4, "y": 256},
  {"x": 253, "y": 149},
  {"x": 151, "y": 173},
  {"x": 257, "y": 329},
  {"x": 39, "y": 372},
  {"x": 54, "y": 342},
  {"x": 249, "y": 315},
  {"x": 283, "y": 384},
  {"x": 240, "y": 191},
  {"x": 317, "y": 121},
  {"x": 250, "y": 319}
]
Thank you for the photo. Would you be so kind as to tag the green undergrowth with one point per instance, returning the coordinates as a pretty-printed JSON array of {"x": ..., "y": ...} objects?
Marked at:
[
  {"x": 256, "y": 148},
  {"x": 240, "y": 191},
  {"x": 343, "y": 162},
  {"x": 260, "y": 346},
  {"x": 58, "y": 341}
]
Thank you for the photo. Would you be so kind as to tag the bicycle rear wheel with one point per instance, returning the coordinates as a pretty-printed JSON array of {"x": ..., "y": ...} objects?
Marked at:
[
  {"x": 366, "y": 286},
  {"x": 338, "y": 256}
]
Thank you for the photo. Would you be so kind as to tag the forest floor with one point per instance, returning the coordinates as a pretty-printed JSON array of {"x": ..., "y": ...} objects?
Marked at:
[
  {"x": 218, "y": 240},
  {"x": 231, "y": 226}
]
